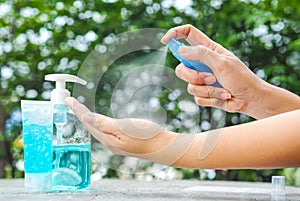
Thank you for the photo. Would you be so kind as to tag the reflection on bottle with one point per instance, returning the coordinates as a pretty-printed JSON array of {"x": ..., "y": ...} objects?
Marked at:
[{"x": 74, "y": 167}]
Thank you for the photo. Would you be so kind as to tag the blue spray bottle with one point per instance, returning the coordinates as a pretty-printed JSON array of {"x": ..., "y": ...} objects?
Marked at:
[
  {"x": 173, "y": 45},
  {"x": 71, "y": 141}
]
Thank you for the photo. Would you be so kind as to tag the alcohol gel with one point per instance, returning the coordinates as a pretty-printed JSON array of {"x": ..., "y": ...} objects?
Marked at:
[
  {"x": 173, "y": 45},
  {"x": 37, "y": 130},
  {"x": 71, "y": 141}
]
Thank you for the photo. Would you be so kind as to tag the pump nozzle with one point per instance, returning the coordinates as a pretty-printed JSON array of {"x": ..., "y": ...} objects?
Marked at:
[
  {"x": 60, "y": 93},
  {"x": 173, "y": 45}
]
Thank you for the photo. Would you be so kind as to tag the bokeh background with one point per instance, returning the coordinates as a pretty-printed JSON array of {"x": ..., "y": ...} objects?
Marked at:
[{"x": 43, "y": 37}]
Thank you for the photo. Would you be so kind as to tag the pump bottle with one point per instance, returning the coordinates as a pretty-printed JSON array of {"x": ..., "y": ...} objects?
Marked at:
[{"x": 71, "y": 141}]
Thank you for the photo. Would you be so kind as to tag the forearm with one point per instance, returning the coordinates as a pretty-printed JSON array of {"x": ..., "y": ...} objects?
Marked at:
[
  {"x": 272, "y": 100},
  {"x": 269, "y": 143},
  {"x": 280, "y": 101}
]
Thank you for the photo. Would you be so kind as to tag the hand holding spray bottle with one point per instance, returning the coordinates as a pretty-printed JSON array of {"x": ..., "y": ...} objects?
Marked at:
[{"x": 173, "y": 45}]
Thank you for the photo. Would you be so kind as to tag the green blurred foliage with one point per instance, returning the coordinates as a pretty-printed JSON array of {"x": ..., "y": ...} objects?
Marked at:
[{"x": 42, "y": 37}]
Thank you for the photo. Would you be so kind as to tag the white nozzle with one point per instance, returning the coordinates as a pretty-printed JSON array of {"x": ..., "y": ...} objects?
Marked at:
[{"x": 60, "y": 93}]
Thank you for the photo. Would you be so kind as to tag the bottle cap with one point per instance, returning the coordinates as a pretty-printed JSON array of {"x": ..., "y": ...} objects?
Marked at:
[
  {"x": 173, "y": 45},
  {"x": 60, "y": 93},
  {"x": 278, "y": 185}
]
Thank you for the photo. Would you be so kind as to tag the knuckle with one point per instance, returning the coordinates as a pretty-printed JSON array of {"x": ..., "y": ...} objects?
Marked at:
[
  {"x": 223, "y": 61},
  {"x": 100, "y": 124},
  {"x": 190, "y": 89},
  {"x": 215, "y": 46},
  {"x": 201, "y": 50},
  {"x": 197, "y": 79},
  {"x": 189, "y": 26},
  {"x": 222, "y": 64},
  {"x": 218, "y": 46},
  {"x": 240, "y": 106},
  {"x": 172, "y": 32},
  {"x": 211, "y": 92},
  {"x": 199, "y": 101}
]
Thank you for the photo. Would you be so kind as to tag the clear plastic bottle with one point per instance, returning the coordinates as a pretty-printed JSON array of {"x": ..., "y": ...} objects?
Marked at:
[{"x": 71, "y": 141}]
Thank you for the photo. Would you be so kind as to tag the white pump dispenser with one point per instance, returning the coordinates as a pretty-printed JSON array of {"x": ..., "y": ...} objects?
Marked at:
[{"x": 60, "y": 93}]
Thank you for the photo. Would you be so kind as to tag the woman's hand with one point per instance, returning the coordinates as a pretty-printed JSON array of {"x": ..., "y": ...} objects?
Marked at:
[
  {"x": 130, "y": 137},
  {"x": 243, "y": 91},
  {"x": 276, "y": 144}
]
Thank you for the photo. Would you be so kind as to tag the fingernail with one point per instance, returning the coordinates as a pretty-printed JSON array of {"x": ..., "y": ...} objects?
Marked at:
[
  {"x": 225, "y": 96},
  {"x": 209, "y": 80}
]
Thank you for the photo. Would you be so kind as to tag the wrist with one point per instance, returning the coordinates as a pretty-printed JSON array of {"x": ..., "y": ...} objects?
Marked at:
[
  {"x": 160, "y": 142},
  {"x": 272, "y": 100},
  {"x": 282, "y": 100},
  {"x": 267, "y": 105},
  {"x": 259, "y": 105}
]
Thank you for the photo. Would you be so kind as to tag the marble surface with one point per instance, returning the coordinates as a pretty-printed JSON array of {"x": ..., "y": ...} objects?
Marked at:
[{"x": 114, "y": 189}]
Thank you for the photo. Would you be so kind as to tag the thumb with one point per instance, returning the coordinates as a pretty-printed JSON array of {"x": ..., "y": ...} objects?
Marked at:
[{"x": 202, "y": 54}]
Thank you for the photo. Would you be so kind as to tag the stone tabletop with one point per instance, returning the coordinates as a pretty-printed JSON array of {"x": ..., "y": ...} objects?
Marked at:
[{"x": 113, "y": 189}]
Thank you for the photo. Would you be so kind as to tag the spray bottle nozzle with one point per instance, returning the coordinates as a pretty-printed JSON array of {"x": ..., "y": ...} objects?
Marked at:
[
  {"x": 60, "y": 93},
  {"x": 173, "y": 45}
]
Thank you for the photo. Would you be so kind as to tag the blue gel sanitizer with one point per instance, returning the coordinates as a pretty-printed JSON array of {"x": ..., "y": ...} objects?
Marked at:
[{"x": 173, "y": 45}]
